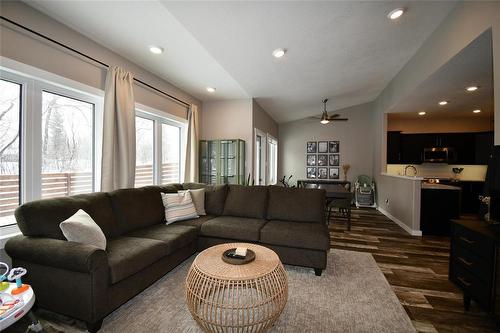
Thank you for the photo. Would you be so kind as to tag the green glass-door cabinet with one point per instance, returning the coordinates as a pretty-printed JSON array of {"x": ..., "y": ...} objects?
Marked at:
[{"x": 222, "y": 161}]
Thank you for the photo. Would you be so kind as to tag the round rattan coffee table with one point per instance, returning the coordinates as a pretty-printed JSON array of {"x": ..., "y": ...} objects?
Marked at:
[{"x": 236, "y": 298}]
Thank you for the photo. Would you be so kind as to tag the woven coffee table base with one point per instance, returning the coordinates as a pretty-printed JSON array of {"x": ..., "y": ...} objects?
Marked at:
[{"x": 243, "y": 304}]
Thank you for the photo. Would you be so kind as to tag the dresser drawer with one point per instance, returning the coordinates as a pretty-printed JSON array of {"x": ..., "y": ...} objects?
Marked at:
[
  {"x": 473, "y": 241},
  {"x": 472, "y": 286},
  {"x": 478, "y": 266}
]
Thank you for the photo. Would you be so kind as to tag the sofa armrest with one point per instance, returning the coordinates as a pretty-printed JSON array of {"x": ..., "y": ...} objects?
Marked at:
[{"x": 58, "y": 253}]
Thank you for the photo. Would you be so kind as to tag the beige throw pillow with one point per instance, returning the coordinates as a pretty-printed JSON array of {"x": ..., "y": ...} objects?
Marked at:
[
  {"x": 178, "y": 206},
  {"x": 81, "y": 228},
  {"x": 198, "y": 197}
]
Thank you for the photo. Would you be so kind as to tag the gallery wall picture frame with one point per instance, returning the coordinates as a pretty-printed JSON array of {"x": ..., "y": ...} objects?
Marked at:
[
  {"x": 333, "y": 147},
  {"x": 311, "y": 160},
  {"x": 322, "y": 173},
  {"x": 311, "y": 173},
  {"x": 311, "y": 147},
  {"x": 322, "y": 160},
  {"x": 333, "y": 173},
  {"x": 334, "y": 160},
  {"x": 322, "y": 147}
]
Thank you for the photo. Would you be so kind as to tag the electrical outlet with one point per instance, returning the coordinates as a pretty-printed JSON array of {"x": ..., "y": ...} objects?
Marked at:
[{"x": 387, "y": 201}]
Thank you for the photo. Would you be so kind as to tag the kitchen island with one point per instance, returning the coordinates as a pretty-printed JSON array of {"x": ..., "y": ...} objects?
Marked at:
[{"x": 439, "y": 204}]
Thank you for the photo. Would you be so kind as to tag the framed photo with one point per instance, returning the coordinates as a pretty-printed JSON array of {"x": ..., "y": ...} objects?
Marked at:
[
  {"x": 311, "y": 147},
  {"x": 311, "y": 173},
  {"x": 323, "y": 147},
  {"x": 323, "y": 160},
  {"x": 333, "y": 147},
  {"x": 311, "y": 160},
  {"x": 333, "y": 173},
  {"x": 322, "y": 173},
  {"x": 334, "y": 160}
]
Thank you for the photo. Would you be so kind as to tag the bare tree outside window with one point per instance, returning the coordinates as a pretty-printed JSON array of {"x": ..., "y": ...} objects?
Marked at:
[
  {"x": 10, "y": 103},
  {"x": 67, "y": 146}
]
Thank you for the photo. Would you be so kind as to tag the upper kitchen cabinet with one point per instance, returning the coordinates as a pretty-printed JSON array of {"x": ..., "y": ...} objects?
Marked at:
[{"x": 465, "y": 148}]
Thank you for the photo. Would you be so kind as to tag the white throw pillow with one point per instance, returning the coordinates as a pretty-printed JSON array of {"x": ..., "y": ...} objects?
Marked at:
[
  {"x": 81, "y": 228},
  {"x": 198, "y": 197},
  {"x": 178, "y": 206}
]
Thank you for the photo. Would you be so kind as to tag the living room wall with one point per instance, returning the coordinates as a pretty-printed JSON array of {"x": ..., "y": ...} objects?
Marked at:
[
  {"x": 28, "y": 49},
  {"x": 354, "y": 136},
  {"x": 465, "y": 23}
]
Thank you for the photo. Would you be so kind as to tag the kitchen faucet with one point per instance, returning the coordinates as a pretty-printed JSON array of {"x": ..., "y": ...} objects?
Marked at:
[{"x": 411, "y": 166}]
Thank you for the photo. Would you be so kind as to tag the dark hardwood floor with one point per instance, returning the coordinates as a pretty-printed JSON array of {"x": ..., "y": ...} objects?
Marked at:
[{"x": 417, "y": 270}]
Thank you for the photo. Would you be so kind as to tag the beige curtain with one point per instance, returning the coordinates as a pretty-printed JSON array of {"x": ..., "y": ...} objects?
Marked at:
[
  {"x": 118, "y": 146},
  {"x": 191, "y": 165}
]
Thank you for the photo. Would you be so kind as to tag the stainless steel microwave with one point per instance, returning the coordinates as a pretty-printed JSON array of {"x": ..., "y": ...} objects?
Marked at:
[{"x": 439, "y": 155}]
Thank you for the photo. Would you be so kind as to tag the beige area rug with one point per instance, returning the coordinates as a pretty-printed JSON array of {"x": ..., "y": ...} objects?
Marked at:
[{"x": 352, "y": 295}]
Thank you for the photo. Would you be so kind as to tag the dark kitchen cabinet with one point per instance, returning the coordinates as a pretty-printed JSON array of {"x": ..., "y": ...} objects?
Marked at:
[
  {"x": 483, "y": 147},
  {"x": 466, "y": 148},
  {"x": 393, "y": 147}
]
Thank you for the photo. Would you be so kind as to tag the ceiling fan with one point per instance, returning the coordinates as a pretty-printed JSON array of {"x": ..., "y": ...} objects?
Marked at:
[{"x": 325, "y": 118}]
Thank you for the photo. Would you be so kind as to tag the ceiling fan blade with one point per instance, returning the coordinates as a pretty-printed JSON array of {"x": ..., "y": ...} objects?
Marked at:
[
  {"x": 334, "y": 116},
  {"x": 338, "y": 119}
]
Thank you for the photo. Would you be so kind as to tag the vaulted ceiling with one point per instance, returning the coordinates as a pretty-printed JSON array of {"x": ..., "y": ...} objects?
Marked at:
[{"x": 345, "y": 51}]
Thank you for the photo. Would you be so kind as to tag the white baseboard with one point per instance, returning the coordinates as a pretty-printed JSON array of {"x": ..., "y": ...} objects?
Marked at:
[{"x": 400, "y": 223}]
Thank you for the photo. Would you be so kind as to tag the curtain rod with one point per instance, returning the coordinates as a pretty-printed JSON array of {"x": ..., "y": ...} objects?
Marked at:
[{"x": 90, "y": 58}]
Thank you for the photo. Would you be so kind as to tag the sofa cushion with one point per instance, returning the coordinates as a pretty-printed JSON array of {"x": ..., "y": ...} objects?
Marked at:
[
  {"x": 313, "y": 236},
  {"x": 137, "y": 208},
  {"x": 175, "y": 236},
  {"x": 232, "y": 227},
  {"x": 81, "y": 228},
  {"x": 195, "y": 222},
  {"x": 215, "y": 197},
  {"x": 41, "y": 218},
  {"x": 129, "y": 255},
  {"x": 246, "y": 201},
  {"x": 296, "y": 204}
]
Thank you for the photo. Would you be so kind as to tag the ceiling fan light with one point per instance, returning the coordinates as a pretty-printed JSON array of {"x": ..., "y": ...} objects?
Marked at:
[{"x": 324, "y": 118}]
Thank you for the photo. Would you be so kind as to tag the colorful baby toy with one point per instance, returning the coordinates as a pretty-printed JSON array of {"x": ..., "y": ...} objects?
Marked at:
[{"x": 4, "y": 284}]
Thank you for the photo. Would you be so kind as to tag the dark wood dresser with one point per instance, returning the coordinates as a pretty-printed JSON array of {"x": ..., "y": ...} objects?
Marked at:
[{"x": 475, "y": 263}]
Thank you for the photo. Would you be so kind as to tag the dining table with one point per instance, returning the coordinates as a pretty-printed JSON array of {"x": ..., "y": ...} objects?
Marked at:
[{"x": 338, "y": 195}]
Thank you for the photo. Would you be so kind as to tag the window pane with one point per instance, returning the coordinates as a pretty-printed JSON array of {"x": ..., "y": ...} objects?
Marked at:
[
  {"x": 273, "y": 161},
  {"x": 10, "y": 110},
  {"x": 144, "y": 151},
  {"x": 170, "y": 154},
  {"x": 67, "y": 146}
]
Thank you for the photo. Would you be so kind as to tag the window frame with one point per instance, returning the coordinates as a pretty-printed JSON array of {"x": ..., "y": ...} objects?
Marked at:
[
  {"x": 271, "y": 140},
  {"x": 32, "y": 87},
  {"x": 159, "y": 118}
]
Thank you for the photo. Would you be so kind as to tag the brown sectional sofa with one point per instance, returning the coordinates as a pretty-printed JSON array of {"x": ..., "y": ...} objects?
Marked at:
[{"x": 84, "y": 282}]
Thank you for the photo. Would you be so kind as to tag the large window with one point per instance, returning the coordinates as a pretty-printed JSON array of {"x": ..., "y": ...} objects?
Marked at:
[
  {"x": 170, "y": 153},
  {"x": 47, "y": 141},
  {"x": 144, "y": 138},
  {"x": 158, "y": 144},
  {"x": 10, "y": 126},
  {"x": 67, "y": 146}
]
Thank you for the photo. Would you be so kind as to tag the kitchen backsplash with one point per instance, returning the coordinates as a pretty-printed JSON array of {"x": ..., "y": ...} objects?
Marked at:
[{"x": 470, "y": 172}]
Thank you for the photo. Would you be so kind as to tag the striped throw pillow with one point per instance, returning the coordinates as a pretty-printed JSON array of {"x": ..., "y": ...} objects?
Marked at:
[{"x": 178, "y": 206}]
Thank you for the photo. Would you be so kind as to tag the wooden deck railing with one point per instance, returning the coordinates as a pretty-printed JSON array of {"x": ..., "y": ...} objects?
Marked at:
[{"x": 64, "y": 184}]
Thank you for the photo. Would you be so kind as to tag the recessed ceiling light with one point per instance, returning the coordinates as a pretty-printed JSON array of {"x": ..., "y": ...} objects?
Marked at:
[
  {"x": 443, "y": 102},
  {"x": 278, "y": 53},
  {"x": 477, "y": 111},
  {"x": 156, "y": 49},
  {"x": 472, "y": 88},
  {"x": 422, "y": 113},
  {"x": 396, "y": 13},
  {"x": 211, "y": 90}
]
